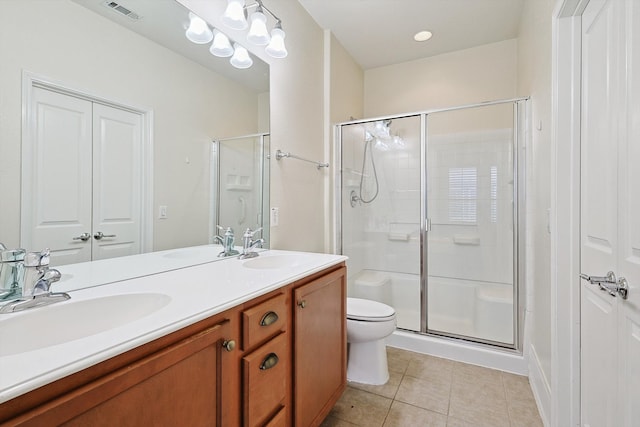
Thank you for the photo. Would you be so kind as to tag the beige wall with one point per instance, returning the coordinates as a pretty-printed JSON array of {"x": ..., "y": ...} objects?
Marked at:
[
  {"x": 534, "y": 79},
  {"x": 65, "y": 42},
  {"x": 467, "y": 76},
  {"x": 346, "y": 101},
  {"x": 297, "y": 95},
  {"x": 347, "y": 85}
]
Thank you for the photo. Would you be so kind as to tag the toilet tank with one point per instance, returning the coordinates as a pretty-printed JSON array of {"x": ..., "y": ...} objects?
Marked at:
[{"x": 373, "y": 285}]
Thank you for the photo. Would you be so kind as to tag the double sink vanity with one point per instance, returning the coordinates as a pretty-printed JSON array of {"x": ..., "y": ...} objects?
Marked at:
[{"x": 181, "y": 337}]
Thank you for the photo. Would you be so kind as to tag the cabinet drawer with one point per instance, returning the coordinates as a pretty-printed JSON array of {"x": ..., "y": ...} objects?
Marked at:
[
  {"x": 263, "y": 321},
  {"x": 265, "y": 372}
]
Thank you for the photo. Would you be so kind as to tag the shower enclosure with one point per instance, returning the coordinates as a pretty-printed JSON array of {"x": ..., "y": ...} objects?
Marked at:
[
  {"x": 427, "y": 207},
  {"x": 240, "y": 185}
]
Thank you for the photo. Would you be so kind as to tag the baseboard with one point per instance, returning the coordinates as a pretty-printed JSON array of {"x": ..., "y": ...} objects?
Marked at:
[{"x": 540, "y": 387}]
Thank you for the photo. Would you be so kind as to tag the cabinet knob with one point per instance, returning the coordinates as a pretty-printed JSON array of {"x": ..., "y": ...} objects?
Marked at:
[
  {"x": 269, "y": 318},
  {"x": 302, "y": 303},
  {"x": 229, "y": 345},
  {"x": 269, "y": 362}
]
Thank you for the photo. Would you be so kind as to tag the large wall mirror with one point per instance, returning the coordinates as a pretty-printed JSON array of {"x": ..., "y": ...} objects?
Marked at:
[{"x": 181, "y": 96}]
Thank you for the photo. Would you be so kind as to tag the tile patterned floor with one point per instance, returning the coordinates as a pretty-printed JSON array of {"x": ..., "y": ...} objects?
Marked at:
[{"x": 428, "y": 391}]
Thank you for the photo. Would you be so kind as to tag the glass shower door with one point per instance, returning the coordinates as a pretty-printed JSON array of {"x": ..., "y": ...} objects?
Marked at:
[
  {"x": 381, "y": 214},
  {"x": 470, "y": 208}
]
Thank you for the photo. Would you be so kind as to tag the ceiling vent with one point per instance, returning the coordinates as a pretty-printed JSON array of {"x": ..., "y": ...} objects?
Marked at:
[{"x": 122, "y": 10}]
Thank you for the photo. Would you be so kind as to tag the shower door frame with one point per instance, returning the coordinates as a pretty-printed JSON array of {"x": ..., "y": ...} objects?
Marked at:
[{"x": 520, "y": 135}]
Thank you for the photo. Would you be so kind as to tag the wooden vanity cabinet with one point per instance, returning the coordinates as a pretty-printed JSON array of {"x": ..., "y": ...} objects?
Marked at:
[
  {"x": 176, "y": 380},
  {"x": 278, "y": 360},
  {"x": 319, "y": 346}
]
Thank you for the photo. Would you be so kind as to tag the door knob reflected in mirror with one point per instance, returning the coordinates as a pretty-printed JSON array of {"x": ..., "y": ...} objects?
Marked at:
[{"x": 99, "y": 235}]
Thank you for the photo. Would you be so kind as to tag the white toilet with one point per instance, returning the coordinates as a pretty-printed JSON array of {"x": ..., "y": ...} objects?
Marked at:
[{"x": 368, "y": 324}]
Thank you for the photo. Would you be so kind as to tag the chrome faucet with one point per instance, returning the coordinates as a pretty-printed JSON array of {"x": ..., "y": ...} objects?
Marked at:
[
  {"x": 227, "y": 242},
  {"x": 248, "y": 243},
  {"x": 11, "y": 272},
  {"x": 36, "y": 284}
]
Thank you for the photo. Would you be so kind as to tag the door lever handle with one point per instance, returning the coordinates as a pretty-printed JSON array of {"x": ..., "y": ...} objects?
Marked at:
[
  {"x": 99, "y": 235},
  {"x": 609, "y": 284},
  {"x": 84, "y": 237},
  {"x": 596, "y": 280}
]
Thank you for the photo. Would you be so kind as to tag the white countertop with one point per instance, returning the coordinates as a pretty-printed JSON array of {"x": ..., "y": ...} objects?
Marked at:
[{"x": 193, "y": 292}]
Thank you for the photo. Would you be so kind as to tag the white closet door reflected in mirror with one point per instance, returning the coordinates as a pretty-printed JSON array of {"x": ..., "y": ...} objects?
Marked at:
[{"x": 82, "y": 178}]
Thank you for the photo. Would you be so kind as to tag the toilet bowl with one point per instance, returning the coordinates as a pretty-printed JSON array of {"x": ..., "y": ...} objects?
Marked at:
[{"x": 368, "y": 324}]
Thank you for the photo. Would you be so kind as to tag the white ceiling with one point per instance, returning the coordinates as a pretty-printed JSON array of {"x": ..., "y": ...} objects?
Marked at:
[{"x": 380, "y": 32}]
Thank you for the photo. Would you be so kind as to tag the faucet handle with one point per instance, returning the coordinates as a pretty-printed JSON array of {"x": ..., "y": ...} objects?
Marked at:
[
  {"x": 249, "y": 233},
  {"x": 37, "y": 259},
  {"x": 11, "y": 255},
  {"x": 51, "y": 275}
]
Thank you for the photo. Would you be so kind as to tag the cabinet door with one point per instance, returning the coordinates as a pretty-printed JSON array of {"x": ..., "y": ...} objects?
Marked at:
[
  {"x": 320, "y": 347},
  {"x": 180, "y": 385}
]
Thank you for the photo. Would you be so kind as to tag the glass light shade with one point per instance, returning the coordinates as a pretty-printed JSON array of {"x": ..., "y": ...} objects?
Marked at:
[
  {"x": 258, "y": 33},
  {"x": 276, "y": 48},
  {"x": 233, "y": 16},
  {"x": 221, "y": 46},
  {"x": 198, "y": 31},
  {"x": 398, "y": 141},
  {"x": 382, "y": 129},
  {"x": 241, "y": 58},
  {"x": 380, "y": 145}
]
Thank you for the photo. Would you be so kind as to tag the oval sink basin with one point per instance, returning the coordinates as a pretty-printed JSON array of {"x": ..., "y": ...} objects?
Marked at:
[
  {"x": 275, "y": 261},
  {"x": 71, "y": 320}
]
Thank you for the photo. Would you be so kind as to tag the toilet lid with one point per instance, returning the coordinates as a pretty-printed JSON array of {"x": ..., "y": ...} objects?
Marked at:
[{"x": 365, "y": 309}]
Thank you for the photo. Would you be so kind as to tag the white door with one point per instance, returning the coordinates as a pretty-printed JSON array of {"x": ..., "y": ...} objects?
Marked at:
[
  {"x": 117, "y": 181},
  {"x": 610, "y": 214},
  {"x": 81, "y": 179},
  {"x": 629, "y": 229},
  {"x": 56, "y": 187}
]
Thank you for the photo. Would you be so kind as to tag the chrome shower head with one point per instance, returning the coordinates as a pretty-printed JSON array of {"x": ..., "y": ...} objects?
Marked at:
[{"x": 367, "y": 136}]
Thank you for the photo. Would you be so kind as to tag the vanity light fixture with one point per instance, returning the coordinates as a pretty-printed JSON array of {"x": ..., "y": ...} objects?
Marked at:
[
  {"x": 235, "y": 17},
  {"x": 241, "y": 58},
  {"x": 258, "y": 33},
  {"x": 276, "y": 47},
  {"x": 221, "y": 45},
  {"x": 198, "y": 31}
]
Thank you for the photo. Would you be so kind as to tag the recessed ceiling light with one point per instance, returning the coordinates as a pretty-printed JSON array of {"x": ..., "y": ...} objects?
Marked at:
[{"x": 422, "y": 36}]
